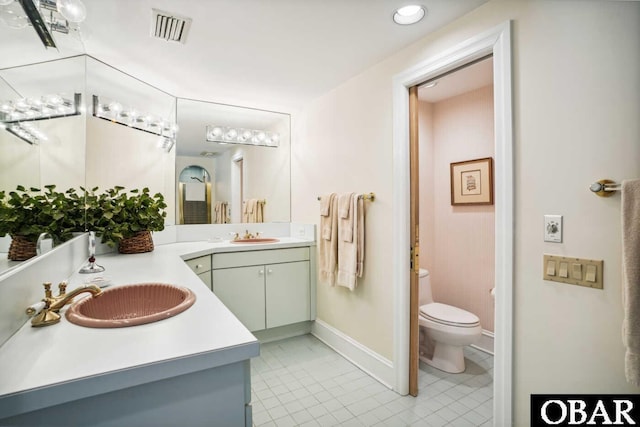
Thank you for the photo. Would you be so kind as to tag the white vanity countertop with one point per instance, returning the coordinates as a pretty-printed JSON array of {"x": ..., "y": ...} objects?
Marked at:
[{"x": 41, "y": 367}]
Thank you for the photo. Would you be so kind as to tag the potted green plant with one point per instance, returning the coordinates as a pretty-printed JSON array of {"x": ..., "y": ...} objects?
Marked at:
[
  {"x": 25, "y": 214},
  {"x": 126, "y": 219}
]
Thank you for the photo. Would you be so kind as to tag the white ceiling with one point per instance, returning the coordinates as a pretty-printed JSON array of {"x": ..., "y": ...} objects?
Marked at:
[
  {"x": 471, "y": 77},
  {"x": 271, "y": 54}
]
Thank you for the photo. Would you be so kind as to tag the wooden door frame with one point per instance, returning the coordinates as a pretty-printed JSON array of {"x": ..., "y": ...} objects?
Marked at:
[
  {"x": 414, "y": 238},
  {"x": 496, "y": 42}
]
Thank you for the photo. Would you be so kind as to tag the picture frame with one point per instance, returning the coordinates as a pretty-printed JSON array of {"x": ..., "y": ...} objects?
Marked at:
[{"x": 472, "y": 182}]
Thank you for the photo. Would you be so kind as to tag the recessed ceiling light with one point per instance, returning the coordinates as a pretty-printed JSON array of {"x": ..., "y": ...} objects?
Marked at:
[
  {"x": 431, "y": 84},
  {"x": 408, "y": 15}
]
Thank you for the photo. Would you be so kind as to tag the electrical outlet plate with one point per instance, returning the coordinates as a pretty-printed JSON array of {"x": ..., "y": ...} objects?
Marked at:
[{"x": 553, "y": 228}]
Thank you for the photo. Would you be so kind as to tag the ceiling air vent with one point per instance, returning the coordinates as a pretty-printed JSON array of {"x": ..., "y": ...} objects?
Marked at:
[{"x": 169, "y": 26}]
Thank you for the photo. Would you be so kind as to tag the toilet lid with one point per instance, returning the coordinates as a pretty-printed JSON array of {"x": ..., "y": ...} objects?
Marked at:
[{"x": 448, "y": 315}]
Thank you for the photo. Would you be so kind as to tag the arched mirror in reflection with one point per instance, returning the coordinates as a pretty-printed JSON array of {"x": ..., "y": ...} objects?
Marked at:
[{"x": 194, "y": 197}]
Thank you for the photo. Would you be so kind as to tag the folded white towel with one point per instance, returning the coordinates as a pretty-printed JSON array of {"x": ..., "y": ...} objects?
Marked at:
[
  {"x": 344, "y": 204},
  {"x": 328, "y": 242},
  {"x": 631, "y": 277},
  {"x": 259, "y": 213},
  {"x": 325, "y": 204},
  {"x": 326, "y": 221},
  {"x": 345, "y": 221},
  {"x": 351, "y": 254}
]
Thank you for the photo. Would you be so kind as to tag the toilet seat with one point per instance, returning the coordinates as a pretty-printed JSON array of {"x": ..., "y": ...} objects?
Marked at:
[{"x": 449, "y": 315}]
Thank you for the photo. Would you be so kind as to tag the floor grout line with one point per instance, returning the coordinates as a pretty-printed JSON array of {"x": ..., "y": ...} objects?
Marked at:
[{"x": 302, "y": 382}]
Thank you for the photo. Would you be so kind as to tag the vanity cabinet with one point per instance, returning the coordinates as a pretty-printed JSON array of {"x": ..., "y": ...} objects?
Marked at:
[
  {"x": 265, "y": 288},
  {"x": 202, "y": 267}
]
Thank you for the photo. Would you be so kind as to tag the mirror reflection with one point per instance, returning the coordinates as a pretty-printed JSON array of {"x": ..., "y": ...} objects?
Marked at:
[
  {"x": 246, "y": 154},
  {"x": 246, "y": 180},
  {"x": 116, "y": 152},
  {"x": 42, "y": 132}
]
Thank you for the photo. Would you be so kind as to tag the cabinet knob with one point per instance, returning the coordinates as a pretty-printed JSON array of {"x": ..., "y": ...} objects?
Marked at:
[
  {"x": 198, "y": 266},
  {"x": 270, "y": 271},
  {"x": 261, "y": 272}
]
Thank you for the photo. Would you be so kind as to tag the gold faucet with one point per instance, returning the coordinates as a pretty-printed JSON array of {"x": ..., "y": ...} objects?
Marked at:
[
  {"x": 247, "y": 235},
  {"x": 49, "y": 314}
]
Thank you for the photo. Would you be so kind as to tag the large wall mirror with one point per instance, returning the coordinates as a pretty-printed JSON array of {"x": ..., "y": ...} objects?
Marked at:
[
  {"x": 89, "y": 151},
  {"x": 229, "y": 157}
]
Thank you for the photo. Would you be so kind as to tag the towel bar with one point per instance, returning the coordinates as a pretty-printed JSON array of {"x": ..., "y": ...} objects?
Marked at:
[
  {"x": 368, "y": 196},
  {"x": 604, "y": 187}
]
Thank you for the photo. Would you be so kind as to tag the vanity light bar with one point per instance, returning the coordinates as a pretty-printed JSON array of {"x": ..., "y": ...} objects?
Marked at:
[
  {"x": 27, "y": 132},
  {"x": 232, "y": 135},
  {"x": 115, "y": 112},
  {"x": 46, "y": 107}
]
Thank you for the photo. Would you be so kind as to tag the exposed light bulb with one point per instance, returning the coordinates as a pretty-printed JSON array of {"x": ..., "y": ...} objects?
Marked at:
[
  {"x": 115, "y": 107},
  {"x": 72, "y": 10},
  {"x": 232, "y": 134}
]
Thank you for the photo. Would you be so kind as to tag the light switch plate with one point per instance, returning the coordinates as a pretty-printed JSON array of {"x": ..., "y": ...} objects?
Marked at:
[
  {"x": 553, "y": 228},
  {"x": 573, "y": 271}
]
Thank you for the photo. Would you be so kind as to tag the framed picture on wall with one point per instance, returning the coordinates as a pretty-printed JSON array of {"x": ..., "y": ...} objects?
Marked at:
[{"x": 472, "y": 182}]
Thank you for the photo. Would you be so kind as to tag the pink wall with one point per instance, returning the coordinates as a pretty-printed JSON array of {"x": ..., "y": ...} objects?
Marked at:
[{"x": 457, "y": 241}]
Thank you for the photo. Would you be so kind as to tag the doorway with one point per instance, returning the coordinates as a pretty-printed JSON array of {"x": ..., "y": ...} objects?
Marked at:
[
  {"x": 237, "y": 188},
  {"x": 452, "y": 131},
  {"x": 496, "y": 42}
]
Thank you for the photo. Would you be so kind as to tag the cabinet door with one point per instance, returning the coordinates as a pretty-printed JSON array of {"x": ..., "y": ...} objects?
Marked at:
[
  {"x": 287, "y": 293},
  {"x": 206, "y": 278},
  {"x": 242, "y": 291}
]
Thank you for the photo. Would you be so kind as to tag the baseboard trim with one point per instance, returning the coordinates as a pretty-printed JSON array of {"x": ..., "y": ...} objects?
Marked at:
[
  {"x": 485, "y": 343},
  {"x": 372, "y": 363},
  {"x": 283, "y": 332}
]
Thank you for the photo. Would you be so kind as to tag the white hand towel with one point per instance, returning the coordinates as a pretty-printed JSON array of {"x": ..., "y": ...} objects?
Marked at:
[
  {"x": 259, "y": 214},
  {"x": 351, "y": 254},
  {"x": 344, "y": 204},
  {"x": 631, "y": 277},
  {"x": 325, "y": 204},
  {"x": 345, "y": 220},
  {"x": 326, "y": 213},
  {"x": 328, "y": 242},
  {"x": 359, "y": 215},
  {"x": 224, "y": 216}
]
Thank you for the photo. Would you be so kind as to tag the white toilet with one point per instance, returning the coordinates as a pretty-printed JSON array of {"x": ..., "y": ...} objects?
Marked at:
[{"x": 444, "y": 330}]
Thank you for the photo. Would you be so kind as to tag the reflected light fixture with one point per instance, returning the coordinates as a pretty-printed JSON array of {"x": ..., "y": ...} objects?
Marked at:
[
  {"x": 46, "y": 107},
  {"x": 115, "y": 112},
  {"x": 234, "y": 135},
  {"x": 16, "y": 115},
  {"x": 408, "y": 15},
  {"x": 27, "y": 132},
  {"x": 46, "y": 16}
]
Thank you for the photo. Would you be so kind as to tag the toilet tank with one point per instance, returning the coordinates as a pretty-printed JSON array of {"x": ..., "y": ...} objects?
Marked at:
[{"x": 424, "y": 287}]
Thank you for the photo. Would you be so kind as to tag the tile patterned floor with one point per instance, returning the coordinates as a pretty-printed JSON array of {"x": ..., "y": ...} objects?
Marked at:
[{"x": 302, "y": 382}]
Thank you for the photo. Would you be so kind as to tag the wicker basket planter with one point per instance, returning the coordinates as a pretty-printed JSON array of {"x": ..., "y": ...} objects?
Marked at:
[
  {"x": 139, "y": 243},
  {"x": 21, "y": 249}
]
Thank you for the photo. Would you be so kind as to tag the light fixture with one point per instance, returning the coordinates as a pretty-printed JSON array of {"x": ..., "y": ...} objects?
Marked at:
[
  {"x": 27, "y": 132},
  {"x": 46, "y": 16},
  {"x": 16, "y": 115},
  {"x": 233, "y": 135},
  {"x": 115, "y": 112},
  {"x": 408, "y": 15},
  {"x": 46, "y": 107},
  {"x": 72, "y": 10},
  {"x": 431, "y": 84}
]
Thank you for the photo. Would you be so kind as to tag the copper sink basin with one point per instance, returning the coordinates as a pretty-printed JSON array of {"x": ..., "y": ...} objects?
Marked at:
[
  {"x": 131, "y": 305},
  {"x": 257, "y": 240}
]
